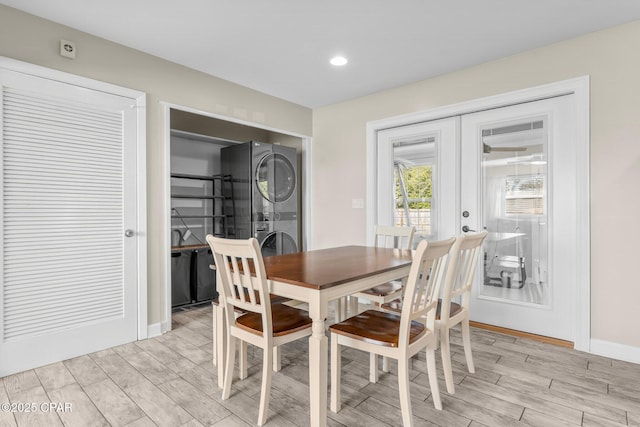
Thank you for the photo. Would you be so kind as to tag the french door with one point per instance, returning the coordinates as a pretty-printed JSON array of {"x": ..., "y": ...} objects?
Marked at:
[
  {"x": 518, "y": 181},
  {"x": 513, "y": 171},
  {"x": 69, "y": 272}
]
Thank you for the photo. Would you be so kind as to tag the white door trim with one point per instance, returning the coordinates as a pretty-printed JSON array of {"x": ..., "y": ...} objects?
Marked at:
[
  {"x": 166, "y": 219},
  {"x": 580, "y": 88},
  {"x": 141, "y": 162}
]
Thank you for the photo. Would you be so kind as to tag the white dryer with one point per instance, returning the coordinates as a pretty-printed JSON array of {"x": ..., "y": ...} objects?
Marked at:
[{"x": 265, "y": 195}]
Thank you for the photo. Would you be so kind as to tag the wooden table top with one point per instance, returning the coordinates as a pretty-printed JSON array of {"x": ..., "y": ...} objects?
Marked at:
[{"x": 324, "y": 268}]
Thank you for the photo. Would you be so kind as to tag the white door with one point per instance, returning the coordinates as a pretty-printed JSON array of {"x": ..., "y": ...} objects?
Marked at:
[
  {"x": 68, "y": 275},
  {"x": 518, "y": 181},
  {"x": 415, "y": 182}
]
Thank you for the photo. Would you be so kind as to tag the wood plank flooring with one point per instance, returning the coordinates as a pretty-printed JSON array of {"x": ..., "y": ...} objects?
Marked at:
[{"x": 169, "y": 381}]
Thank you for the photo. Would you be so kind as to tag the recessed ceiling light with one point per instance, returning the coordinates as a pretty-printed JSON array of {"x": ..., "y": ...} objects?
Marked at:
[{"x": 338, "y": 61}]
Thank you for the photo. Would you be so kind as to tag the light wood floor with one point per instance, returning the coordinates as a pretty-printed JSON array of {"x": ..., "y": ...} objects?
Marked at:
[{"x": 169, "y": 381}]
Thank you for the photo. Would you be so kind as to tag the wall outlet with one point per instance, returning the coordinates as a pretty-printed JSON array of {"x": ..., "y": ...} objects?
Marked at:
[{"x": 68, "y": 49}]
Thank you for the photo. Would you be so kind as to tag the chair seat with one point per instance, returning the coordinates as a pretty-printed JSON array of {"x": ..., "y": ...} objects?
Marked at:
[
  {"x": 396, "y": 306},
  {"x": 384, "y": 289},
  {"x": 377, "y": 327},
  {"x": 286, "y": 320}
]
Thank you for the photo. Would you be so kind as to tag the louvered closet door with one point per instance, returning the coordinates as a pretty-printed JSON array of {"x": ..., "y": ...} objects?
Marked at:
[{"x": 68, "y": 194}]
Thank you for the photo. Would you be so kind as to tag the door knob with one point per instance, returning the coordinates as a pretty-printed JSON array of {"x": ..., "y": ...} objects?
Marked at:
[
  {"x": 129, "y": 233},
  {"x": 466, "y": 229}
]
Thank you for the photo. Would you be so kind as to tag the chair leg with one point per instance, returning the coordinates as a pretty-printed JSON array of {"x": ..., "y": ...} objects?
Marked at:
[
  {"x": 340, "y": 309},
  {"x": 385, "y": 364},
  {"x": 466, "y": 340},
  {"x": 344, "y": 303},
  {"x": 403, "y": 388},
  {"x": 243, "y": 360},
  {"x": 215, "y": 347},
  {"x": 433, "y": 378},
  {"x": 373, "y": 368},
  {"x": 277, "y": 359},
  {"x": 445, "y": 352},
  {"x": 229, "y": 362},
  {"x": 353, "y": 306},
  {"x": 267, "y": 369},
  {"x": 221, "y": 342},
  {"x": 336, "y": 366}
]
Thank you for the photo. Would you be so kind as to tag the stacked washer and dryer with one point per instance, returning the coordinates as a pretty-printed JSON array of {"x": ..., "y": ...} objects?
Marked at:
[{"x": 264, "y": 197}]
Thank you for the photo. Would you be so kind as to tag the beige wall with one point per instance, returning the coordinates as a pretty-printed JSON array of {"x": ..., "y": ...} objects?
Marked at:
[
  {"x": 28, "y": 38},
  {"x": 611, "y": 59}
]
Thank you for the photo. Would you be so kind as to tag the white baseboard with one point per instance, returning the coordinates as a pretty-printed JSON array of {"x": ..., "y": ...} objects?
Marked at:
[{"x": 615, "y": 351}]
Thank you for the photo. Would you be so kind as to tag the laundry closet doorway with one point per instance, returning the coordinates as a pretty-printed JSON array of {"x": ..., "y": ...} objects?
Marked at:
[
  {"x": 506, "y": 180},
  {"x": 207, "y": 194}
]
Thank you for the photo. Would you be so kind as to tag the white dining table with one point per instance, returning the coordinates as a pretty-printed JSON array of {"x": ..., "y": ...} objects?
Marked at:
[{"x": 318, "y": 277}]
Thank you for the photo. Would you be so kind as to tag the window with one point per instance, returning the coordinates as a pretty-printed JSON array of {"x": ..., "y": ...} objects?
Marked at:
[{"x": 524, "y": 195}]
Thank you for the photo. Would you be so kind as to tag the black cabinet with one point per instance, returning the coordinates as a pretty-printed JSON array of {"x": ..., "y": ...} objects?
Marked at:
[{"x": 192, "y": 279}]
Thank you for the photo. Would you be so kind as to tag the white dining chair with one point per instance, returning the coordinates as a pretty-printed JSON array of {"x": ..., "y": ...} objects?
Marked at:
[
  {"x": 399, "y": 336},
  {"x": 453, "y": 308},
  {"x": 243, "y": 286},
  {"x": 219, "y": 333},
  {"x": 385, "y": 237}
]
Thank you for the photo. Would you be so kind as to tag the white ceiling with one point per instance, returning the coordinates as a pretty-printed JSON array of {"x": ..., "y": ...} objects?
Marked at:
[{"x": 282, "y": 47}]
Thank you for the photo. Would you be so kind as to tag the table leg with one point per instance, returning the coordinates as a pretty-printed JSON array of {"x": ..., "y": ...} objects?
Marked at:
[{"x": 318, "y": 364}]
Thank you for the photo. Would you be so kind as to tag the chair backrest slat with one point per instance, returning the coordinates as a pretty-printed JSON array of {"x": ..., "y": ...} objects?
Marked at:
[{"x": 393, "y": 237}]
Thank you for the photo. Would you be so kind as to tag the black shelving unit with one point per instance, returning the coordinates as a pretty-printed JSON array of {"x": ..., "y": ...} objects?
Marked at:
[
  {"x": 219, "y": 213},
  {"x": 197, "y": 285}
]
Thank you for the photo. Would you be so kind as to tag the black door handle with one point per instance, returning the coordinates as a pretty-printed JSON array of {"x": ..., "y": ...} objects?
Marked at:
[{"x": 466, "y": 229}]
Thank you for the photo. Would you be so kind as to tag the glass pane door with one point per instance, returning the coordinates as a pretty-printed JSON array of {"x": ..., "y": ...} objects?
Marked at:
[
  {"x": 412, "y": 186},
  {"x": 514, "y": 177},
  {"x": 517, "y": 181}
]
